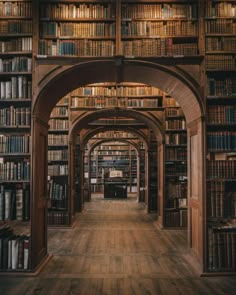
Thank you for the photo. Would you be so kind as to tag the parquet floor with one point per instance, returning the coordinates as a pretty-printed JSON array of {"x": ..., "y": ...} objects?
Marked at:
[{"x": 115, "y": 248}]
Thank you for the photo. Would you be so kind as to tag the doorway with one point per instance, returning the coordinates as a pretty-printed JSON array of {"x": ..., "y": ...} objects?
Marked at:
[{"x": 167, "y": 79}]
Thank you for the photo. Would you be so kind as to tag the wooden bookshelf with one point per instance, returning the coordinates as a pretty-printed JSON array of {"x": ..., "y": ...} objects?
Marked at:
[
  {"x": 15, "y": 142},
  {"x": 193, "y": 40},
  {"x": 175, "y": 198},
  {"x": 221, "y": 118},
  {"x": 58, "y": 169},
  {"x": 110, "y": 156}
]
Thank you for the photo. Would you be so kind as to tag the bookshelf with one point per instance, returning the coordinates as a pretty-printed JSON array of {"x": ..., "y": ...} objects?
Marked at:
[
  {"x": 109, "y": 28},
  {"x": 84, "y": 29},
  {"x": 121, "y": 95},
  {"x": 220, "y": 68},
  {"x": 15, "y": 128},
  {"x": 175, "y": 203},
  {"x": 113, "y": 155},
  {"x": 159, "y": 29},
  {"x": 135, "y": 30},
  {"x": 58, "y": 170}
]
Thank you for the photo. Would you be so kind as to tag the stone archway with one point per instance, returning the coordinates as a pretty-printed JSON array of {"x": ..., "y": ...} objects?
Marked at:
[{"x": 54, "y": 83}]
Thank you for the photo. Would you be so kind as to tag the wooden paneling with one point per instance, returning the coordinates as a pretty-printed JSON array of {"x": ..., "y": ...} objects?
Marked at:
[{"x": 39, "y": 193}]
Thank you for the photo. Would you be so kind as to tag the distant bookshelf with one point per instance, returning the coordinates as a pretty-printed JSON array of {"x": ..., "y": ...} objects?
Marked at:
[
  {"x": 175, "y": 202},
  {"x": 58, "y": 165}
]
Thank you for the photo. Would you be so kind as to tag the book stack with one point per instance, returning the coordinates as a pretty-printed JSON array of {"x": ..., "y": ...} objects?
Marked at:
[{"x": 14, "y": 250}]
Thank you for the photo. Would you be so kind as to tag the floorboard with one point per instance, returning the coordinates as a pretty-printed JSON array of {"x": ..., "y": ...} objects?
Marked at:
[{"x": 116, "y": 249}]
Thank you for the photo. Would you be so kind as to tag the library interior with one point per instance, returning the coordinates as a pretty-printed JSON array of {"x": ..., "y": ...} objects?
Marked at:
[{"x": 118, "y": 146}]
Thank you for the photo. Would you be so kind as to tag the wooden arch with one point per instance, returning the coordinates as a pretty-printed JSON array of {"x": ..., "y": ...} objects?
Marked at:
[{"x": 57, "y": 81}]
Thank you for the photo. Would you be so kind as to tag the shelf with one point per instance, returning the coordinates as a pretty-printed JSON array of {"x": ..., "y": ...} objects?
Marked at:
[
  {"x": 14, "y": 181},
  {"x": 78, "y": 20},
  {"x": 16, "y": 53},
  {"x": 17, "y": 155}
]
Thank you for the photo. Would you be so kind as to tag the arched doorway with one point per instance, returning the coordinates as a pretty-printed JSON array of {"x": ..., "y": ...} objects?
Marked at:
[
  {"x": 174, "y": 81},
  {"x": 148, "y": 121}
]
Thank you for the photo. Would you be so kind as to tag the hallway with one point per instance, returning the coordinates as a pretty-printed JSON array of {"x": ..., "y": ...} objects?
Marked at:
[{"x": 116, "y": 248}]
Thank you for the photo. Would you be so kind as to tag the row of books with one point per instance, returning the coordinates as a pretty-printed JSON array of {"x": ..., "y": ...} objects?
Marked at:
[
  {"x": 82, "y": 47},
  {"x": 175, "y": 202},
  {"x": 16, "y": 87},
  {"x": 216, "y": 62},
  {"x": 221, "y": 44},
  {"x": 15, "y": 116},
  {"x": 16, "y": 26},
  {"x": 174, "y": 111},
  {"x": 175, "y": 124},
  {"x": 58, "y": 155},
  {"x": 159, "y": 28},
  {"x": 97, "y": 188},
  {"x": 176, "y": 138},
  {"x": 16, "y": 8},
  {"x": 159, "y": 47},
  {"x": 57, "y": 124},
  {"x": 112, "y": 153},
  {"x": 170, "y": 102},
  {"x": 59, "y": 111},
  {"x": 221, "y": 140},
  {"x": 16, "y": 44},
  {"x": 58, "y": 217},
  {"x": 220, "y": 26},
  {"x": 221, "y": 114},
  {"x": 16, "y": 64},
  {"x": 176, "y": 190},
  {"x": 161, "y": 11},
  {"x": 14, "y": 170},
  {"x": 58, "y": 170},
  {"x": 176, "y": 218},
  {"x": 220, "y": 9},
  {"x": 106, "y": 102},
  {"x": 76, "y": 11},
  {"x": 57, "y": 139},
  {"x": 114, "y": 134},
  {"x": 220, "y": 203},
  {"x": 14, "y": 143},
  {"x": 122, "y": 158},
  {"x": 171, "y": 168},
  {"x": 175, "y": 154},
  {"x": 14, "y": 203},
  {"x": 221, "y": 169},
  {"x": 79, "y": 30},
  {"x": 221, "y": 248},
  {"x": 14, "y": 250},
  {"x": 117, "y": 90},
  {"x": 222, "y": 87},
  {"x": 114, "y": 147},
  {"x": 57, "y": 191}
]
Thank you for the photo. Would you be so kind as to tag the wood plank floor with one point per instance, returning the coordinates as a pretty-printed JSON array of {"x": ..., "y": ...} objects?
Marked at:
[{"x": 115, "y": 248}]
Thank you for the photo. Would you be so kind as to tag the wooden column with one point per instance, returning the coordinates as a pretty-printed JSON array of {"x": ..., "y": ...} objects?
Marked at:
[
  {"x": 138, "y": 175},
  {"x": 161, "y": 183},
  {"x": 196, "y": 191},
  {"x": 39, "y": 151},
  {"x": 71, "y": 177}
]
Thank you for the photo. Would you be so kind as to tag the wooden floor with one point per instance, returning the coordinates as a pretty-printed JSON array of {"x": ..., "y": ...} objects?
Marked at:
[{"x": 115, "y": 248}]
